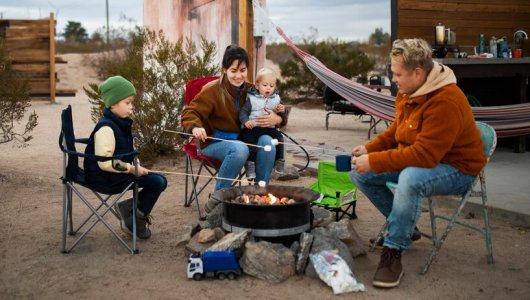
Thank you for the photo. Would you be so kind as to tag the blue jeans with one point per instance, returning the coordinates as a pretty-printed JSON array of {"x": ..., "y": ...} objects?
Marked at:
[
  {"x": 233, "y": 157},
  {"x": 403, "y": 208},
  {"x": 152, "y": 185}
]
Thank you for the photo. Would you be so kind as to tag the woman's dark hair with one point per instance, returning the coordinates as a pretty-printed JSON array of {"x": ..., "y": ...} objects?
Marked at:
[{"x": 232, "y": 53}]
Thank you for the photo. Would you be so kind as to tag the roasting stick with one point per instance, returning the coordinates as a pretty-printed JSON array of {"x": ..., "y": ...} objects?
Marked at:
[
  {"x": 276, "y": 142},
  {"x": 266, "y": 147},
  {"x": 260, "y": 183}
]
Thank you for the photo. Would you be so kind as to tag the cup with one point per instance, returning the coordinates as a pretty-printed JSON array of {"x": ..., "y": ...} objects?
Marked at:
[
  {"x": 517, "y": 53},
  {"x": 343, "y": 163}
]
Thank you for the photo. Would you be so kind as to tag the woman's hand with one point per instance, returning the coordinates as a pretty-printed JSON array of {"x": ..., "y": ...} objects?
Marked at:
[
  {"x": 269, "y": 120},
  {"x": 199, "y": 133}
]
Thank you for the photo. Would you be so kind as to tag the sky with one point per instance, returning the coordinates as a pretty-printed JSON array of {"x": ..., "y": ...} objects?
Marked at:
[{"x": 345, "y": 20}]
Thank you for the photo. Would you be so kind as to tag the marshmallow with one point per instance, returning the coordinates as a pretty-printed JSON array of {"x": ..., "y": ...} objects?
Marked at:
[
  {"x": 274, "y": 142},
  {"x": 262, "y": 183},
  {"x": 267, "y": 148}
]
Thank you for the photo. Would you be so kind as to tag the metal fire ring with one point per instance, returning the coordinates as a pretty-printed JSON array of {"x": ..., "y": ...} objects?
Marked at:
[{"x": 268, "y": 232}]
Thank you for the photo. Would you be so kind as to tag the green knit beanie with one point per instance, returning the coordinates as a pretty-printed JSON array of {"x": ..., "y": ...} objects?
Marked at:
[{"x": 115, "y": 89}]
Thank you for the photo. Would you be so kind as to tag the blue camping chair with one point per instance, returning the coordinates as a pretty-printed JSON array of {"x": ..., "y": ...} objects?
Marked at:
[
  {"x": 489, "y": 138},
  {"x": 74, "y": 177}
]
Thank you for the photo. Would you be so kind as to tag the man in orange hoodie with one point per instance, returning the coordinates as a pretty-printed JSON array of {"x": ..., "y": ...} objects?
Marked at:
[{"x": 433, "y": 147}]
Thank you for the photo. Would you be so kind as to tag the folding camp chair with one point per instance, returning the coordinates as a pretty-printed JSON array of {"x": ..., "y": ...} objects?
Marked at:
[
  {"x": 74, "y": 177},
  {"x": 339, "y": 194},
  {"x": 489, "y": 138},
  {"x": 192, "y": 189}
]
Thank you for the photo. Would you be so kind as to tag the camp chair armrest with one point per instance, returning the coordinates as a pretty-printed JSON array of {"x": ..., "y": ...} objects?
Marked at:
[
  {"x": 82, "y": 140},
  {"x": 98, "y": 158}
]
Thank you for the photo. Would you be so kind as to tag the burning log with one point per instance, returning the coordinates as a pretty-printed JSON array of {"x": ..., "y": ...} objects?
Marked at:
[{"x": 268, "y": 199}]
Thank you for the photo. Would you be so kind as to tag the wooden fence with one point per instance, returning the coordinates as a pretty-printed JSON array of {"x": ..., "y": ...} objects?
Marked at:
[{"x": 30, "y": 45}]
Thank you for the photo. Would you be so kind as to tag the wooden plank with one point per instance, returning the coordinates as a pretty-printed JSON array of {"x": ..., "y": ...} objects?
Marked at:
[
  {"x": 52, "y": 57},
  {"x": 35, "y": 32},
  {"x": 15, "y": 44},
  {"x": 30, "y": 55},
  {"x": 24, "y": 23},
  {"x": 31, "y": 68},
  {"x": 460, "y": 6},
  {"x": 39, "y": 85}
]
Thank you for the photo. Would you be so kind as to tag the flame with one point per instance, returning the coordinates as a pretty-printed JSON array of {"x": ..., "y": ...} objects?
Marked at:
[
  {"x": 245, "y": 198},
  {"x": 273, "y": 198}
]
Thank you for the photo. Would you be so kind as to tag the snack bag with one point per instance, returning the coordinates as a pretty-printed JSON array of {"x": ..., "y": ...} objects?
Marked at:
[{"x": 334, "y": 271}]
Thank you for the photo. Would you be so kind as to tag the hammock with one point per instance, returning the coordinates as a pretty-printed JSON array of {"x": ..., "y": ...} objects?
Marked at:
[{"x": 507, "y": 120}]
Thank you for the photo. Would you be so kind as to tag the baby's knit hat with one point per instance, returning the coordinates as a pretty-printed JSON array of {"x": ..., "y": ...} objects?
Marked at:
[{"x": 115, "y": 89}]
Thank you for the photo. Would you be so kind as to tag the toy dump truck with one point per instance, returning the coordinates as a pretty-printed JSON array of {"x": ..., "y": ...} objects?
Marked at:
[{"x": 220, "y": 264}]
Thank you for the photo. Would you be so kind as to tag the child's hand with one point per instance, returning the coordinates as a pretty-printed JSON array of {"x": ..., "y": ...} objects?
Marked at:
[
  {"x": 141, "y": 170},
  {"x": 280, "y": 108},
  {"x": 249, "y": 124}
]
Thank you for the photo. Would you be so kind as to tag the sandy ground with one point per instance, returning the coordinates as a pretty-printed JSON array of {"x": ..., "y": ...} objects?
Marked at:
[{"x": 32, "y": 267}]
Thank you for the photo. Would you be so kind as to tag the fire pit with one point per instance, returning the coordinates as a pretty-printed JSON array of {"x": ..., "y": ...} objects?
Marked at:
[{"x": 267, "y": 220}]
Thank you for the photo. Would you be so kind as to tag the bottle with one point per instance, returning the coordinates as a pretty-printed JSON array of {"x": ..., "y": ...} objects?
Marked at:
[
  {"x": 510, "y": 53},
  {"x": 493, "y": 46},
  {"x": 481, "y": 45}
]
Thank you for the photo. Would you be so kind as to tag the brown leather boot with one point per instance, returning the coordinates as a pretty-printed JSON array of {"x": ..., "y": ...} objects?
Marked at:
[{"x": 389, "y": 271}]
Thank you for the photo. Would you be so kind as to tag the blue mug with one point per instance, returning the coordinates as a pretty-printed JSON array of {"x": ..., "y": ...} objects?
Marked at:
[{"x": 343, "y": 163}]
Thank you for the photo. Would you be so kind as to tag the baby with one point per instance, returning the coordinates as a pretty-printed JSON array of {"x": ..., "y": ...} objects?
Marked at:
[{"x": 265, "y": 97}]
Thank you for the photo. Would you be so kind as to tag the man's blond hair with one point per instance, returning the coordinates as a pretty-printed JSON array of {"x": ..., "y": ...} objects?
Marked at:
[{"x": 416, "y": 53}]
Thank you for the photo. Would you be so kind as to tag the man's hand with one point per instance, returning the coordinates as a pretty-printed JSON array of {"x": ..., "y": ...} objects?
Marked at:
[
  {"x": 199, "y": 133},
  {"x": 359, "y": 150},
  {"x": 361, "y": 163}
]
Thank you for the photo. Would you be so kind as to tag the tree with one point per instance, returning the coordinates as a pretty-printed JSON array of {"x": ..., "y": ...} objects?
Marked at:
[
  {"x": 344, "y": 58},
  {"x": 159, "y": 70},
  {"x": 378, "y": 37},
  {"x": 14, "y": 102},
  {"x": 75, "y": 32}
]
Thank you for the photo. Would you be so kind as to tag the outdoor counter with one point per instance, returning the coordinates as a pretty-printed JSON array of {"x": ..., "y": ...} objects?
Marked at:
[{"x": 494, "y": 81}]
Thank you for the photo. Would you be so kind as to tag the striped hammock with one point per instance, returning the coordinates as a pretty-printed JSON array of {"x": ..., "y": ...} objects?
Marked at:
[{"x": 507, "y": 120}]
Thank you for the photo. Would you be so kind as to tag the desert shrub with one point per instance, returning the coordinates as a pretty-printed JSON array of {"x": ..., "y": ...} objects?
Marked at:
[
  {"x": 14, "y": 102},
  {"x": 159, "y": 70},
  {"x": 344, "y": 58}
]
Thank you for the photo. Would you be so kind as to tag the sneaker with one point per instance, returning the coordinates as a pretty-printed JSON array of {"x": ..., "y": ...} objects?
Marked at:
[
  {"x": 279, "y": 165},
  {"x": 250, "y": 168},
  {"x": 389, "y": 271},
  {"x": 142, "y": 224},
  {"x": 416, "y": 235}
]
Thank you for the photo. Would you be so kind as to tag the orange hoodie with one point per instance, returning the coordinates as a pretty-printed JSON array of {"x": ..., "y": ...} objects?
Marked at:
[{"x": 433, "y": 125}]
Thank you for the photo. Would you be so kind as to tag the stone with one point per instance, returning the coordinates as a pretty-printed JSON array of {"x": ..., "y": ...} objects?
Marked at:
[
  {"x": 321, "y": 216},
  {"x": 268, "y": 261},
  {"x": 219, "y": 233},
  {"x": 324, "y": 240},
  {"x": 207, "y": 235},
  {"x": 187, "y": 232},
  {"x": 194, "y": 246},
  {"x": 345, "y": 231},
  {"x": 306, "y": 239},
  {"x": 232, "y": 241},
  {"x": 289, "y": 173}
]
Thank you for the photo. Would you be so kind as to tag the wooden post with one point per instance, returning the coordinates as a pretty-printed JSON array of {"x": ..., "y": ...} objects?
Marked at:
[
  {"x": 246, "y": 32},
  {"x": 52, "y": 57}
]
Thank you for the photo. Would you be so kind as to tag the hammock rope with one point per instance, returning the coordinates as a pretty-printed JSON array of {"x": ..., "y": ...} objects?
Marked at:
[{"x": 507, "y": 120}]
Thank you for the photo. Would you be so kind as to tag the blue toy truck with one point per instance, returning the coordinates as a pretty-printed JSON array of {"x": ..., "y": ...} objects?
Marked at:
[{"x": 220, "y": 264}]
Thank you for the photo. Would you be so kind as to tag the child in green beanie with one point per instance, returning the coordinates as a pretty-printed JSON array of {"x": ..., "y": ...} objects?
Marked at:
[{"x": 112, "y": 136}]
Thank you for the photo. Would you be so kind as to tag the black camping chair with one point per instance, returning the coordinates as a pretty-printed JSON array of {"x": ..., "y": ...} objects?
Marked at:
[
  {"x": 74, "y": 176},
  {"x": 336, "y": 105}
]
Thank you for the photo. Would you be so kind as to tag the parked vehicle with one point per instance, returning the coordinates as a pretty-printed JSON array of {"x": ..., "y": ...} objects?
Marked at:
[{"x": 220, "y": 264}]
